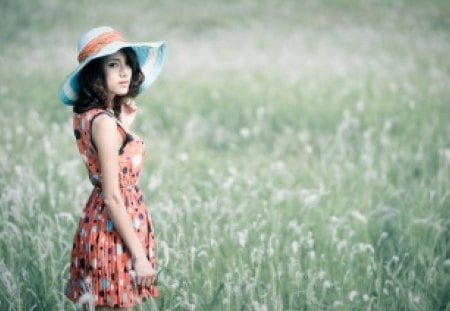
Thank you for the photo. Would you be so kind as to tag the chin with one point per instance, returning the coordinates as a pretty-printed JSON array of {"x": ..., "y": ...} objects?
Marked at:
[{"x": 122, "y": 93}]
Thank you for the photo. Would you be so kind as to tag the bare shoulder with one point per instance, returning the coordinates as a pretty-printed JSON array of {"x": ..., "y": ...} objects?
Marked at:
[
  {"x": 104, "y": 132},
  {"x": 103, "y": 121}
]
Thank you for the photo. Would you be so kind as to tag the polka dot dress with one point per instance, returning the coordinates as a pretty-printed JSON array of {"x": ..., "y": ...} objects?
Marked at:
[{"x": 101, "y": 271}]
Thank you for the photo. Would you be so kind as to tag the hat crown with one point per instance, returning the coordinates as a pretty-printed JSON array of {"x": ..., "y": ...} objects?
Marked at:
[
  {"x": 92, "y": 34},
  {"x": 95, "y": 40}
]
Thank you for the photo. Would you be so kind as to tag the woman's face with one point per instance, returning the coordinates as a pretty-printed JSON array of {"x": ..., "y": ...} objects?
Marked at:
[{"x": 117, "y": 74}]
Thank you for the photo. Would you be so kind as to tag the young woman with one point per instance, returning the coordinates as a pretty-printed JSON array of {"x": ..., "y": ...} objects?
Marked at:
[{"x": 113, "y": 258}]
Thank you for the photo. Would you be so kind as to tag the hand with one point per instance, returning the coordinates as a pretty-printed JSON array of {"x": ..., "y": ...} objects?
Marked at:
[
  {"x": 128, "y": 113},
  {"x": 145, "y": 274}
]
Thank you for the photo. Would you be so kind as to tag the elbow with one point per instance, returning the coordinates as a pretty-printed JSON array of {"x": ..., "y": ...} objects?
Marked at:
[{"x": 112, "y": 200}]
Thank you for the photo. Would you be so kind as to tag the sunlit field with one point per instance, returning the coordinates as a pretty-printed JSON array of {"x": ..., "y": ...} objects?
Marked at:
[{"x": 298, "y": 152}]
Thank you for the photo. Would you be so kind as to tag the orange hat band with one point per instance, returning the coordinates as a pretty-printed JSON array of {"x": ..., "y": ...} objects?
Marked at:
[{"x": 98, "y": 43}]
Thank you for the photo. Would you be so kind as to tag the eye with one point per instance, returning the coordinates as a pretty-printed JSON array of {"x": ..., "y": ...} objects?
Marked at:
[{"x": 113, "y": 64}]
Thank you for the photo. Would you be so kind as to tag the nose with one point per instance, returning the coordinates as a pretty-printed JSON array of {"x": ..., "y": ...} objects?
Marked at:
[{"x": 125, "y": 70}]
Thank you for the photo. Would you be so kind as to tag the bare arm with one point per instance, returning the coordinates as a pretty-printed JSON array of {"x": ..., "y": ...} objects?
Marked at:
[{"x": 108, "y": 140}]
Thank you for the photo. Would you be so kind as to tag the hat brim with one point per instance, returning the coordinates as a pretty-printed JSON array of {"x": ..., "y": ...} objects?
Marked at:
[{"x": 150, "y": 56}]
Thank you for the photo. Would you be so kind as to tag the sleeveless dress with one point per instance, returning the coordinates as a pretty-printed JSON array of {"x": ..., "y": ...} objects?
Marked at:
[{"x": 101, "y": 271}]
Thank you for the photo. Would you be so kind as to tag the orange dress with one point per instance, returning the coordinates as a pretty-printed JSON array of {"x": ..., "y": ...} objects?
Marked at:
[{"x": 101, "y": 271}]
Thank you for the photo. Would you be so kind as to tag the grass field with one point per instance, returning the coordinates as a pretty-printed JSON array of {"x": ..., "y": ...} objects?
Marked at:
[{"x": 298, "y": 152}]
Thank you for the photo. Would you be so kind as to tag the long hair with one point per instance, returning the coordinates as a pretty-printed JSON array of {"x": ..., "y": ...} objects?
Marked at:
[{"x": 92, "y": 84}]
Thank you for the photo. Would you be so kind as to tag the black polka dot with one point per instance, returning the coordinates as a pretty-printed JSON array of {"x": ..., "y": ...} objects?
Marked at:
[{"x": 77, "y": 134}]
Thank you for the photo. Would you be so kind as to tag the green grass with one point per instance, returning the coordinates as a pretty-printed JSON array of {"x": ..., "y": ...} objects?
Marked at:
[{"x": 298, "y": 153}]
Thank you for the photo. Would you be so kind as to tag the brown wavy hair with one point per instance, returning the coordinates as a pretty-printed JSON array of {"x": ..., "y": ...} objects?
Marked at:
[{"x": 91, "y": 80}]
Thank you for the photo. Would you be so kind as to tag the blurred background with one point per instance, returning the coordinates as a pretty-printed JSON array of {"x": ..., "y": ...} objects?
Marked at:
[{"x": 298, "y": 152}]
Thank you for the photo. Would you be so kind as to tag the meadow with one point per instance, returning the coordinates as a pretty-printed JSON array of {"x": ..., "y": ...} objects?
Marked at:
[{"x": 298, "y": 152}]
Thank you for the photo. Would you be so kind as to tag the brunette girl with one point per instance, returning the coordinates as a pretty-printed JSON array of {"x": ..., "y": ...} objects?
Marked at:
[{"x": 113, "y": 259}]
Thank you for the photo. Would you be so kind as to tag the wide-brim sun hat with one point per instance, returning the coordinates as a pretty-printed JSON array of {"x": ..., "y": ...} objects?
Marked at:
[{"x": 104, "y": 41}]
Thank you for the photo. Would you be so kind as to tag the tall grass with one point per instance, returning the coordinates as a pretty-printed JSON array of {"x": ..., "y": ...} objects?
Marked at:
[{"x": 309, "y": 176}]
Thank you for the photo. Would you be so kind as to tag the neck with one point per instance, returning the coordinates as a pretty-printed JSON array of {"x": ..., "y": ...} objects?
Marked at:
[{"x": 110, "y": 102}]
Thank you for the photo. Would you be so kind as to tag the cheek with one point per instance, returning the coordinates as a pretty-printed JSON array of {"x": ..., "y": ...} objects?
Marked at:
[{"x": 108, "y": 78}]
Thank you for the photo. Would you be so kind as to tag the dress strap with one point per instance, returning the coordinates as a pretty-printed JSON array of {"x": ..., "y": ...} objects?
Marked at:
[{"x": 126, "y": 136}]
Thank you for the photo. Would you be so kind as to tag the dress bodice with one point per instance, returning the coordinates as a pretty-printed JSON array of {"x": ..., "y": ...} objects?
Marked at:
[{"x": 131, "y": 153}]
